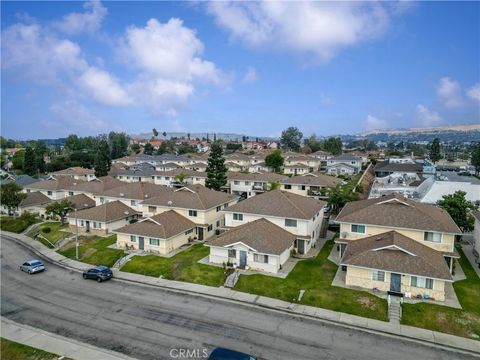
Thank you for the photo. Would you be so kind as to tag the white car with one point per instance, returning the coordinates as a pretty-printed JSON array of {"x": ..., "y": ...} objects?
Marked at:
[{"x": 32, "y": 266}]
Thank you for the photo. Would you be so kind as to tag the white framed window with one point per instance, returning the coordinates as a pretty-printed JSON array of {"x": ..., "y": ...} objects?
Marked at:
[
  {"x": 378, "y": 275},
  {"x": 236, "y": 182},
  {"x": 286, "y": 186},
  {"x": 49, "y": 192},
  {"x": 247, "y": 182},
  {"x": 210, "y": 227},
  {"x": 152, "y": 209},
  {"x": 238, "y": 217},
  {"x": 154, "y": 242},
  {"x": 133, "y": 202},
  {"x": 94, "y": 224},
  {"x": 81, "y": 223},
  {"x": 232, "y": 253},
  {"x": 133, "y": 238},
  {"x": 188, "y": 231},
  {"x": 70, "y": 193},
  {"x": 432, "y": 236},
  {"x": 421, "y": 282},
  {"x": 192, "y": 213},
  {"x": 260, "y": 258},
  {"x": 360, "y": 229},
  {"x": 219, "y": 208},
  {"x": 290, "y": 222}
]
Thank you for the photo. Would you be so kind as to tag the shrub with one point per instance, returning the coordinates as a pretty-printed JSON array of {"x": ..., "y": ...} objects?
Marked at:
[{"x": 46, "y": 229}]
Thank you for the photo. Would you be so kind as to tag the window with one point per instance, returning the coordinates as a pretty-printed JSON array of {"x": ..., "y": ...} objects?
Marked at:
[
  {"x": 133, "y": 202},
  {"x": 49, "y": 192},
  {"x": 70, "y": 193},
  {"x": 154, "y": 242},
  {"x": 421, "y": 282},
  {"x": 94, "y": 224},
  {"x": 236, "y": 182},
  {"x": 102, "y": 200},
  {"x": 99, "y": 225},
  {"x": 290, "y": 222},
  {"x": 210, "y": 227},
  {"x": 301, "y": 187},
  {"x": 218, "y": 223},
  {"x": 238, "y": 217},
  {"x": 152, "y": 209},
  {"x": 188, "y": 231},
  {"x": 133, "y": 238},
  {"x": 247, "y": 182},
  {"x": 378, "y": 275},
  {"x": 232, "y": 253},
  {"x": 260, "y": 258},
  {"x": 81, "y": 223},
  {"x": 287, "y": 187},
  {"x": 192, "y": 213},
  {"x": 167, "y": 177},
  {"x": 360, "y": 229},
  {"x": 432, "y": 236},
  {"x": 219, "y": 208}
]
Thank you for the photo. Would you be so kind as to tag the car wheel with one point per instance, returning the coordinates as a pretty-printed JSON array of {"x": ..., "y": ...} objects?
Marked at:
[
  {"x": 99, "y": 279},
  {"x": 85, "y": 276}
]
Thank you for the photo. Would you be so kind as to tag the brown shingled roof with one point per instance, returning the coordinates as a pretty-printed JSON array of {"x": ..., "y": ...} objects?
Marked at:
[
  {"x": 162, "y": 226},
  {"x": 263, "y": 177},
  {"x": 60, "y": 183},
  {"x": 399, "y": 212},
  {"x": 314, "y": 178},
  {"x": 191, "y": 197},
  {"x": 35, "y": 198},
  {"x": 107, "y": 212},
  {"x": 279, "y": 203},
  {"x": 392, "y": 251},
  {"x": 81, "y": 201},
  {"x": 135, "y": 190},
  {"x": 97, "y": 185},
  {"x": 76, "y": 170},
  {"x": 261, "y": 235}
]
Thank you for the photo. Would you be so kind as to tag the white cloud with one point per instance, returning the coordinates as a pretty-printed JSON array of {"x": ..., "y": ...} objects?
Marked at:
[
  {"x": 427, "y": 117},
  {"x": 374, "y": 123},
  {"x": 319, "y": 29},
  {"x": 104, "y": 88},
  {"x": 89, "y": 21},
  {"x": 474, "y": 92},
  {"x": 449, "y": 92},
  {"x": 250, "y": 76}
]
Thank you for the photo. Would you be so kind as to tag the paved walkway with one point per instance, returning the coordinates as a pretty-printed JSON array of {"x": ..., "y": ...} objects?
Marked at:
[
  {"x": 54, "y": 343},
  {"x": 352, "y": 321}
]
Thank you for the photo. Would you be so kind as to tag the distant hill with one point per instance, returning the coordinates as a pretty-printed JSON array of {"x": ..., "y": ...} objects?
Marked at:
[
  {"x": 223, "y": 136},
  {"x": 425, "y": 130}
]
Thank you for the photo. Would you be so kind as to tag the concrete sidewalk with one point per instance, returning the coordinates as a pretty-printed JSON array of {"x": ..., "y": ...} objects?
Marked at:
[
  {"x": 419, "y": 335},
  {"x": 54, "y": 343}
]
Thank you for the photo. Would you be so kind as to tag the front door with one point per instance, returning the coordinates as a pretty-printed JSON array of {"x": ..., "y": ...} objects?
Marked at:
[
  {"x": 301, "y": 246},
  {"x": 87, "y": 226},
  {"x": 200, "y": 233},
  {"x": 141, "y": 243},
  {"x": 243, "y": 259},
  {"x": 395, "y": 282}
]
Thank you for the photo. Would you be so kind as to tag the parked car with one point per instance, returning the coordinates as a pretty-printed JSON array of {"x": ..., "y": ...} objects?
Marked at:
[
  {"x": 464, "y": 173},
  {"x": 99, "y": 273},
  {"x": 226, "y": 354},
  {"x": 32, "y": 266},
  {"x": 326, "y": 209}
]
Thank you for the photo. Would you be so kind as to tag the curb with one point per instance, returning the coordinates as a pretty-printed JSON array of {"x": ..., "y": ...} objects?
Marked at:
[{"x": 470, "y": 347}]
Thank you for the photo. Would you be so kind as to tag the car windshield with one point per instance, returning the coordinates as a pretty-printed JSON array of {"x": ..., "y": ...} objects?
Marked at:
[
  {"x": 105, "y": 270},
  {"x": 35, "y": 263}
]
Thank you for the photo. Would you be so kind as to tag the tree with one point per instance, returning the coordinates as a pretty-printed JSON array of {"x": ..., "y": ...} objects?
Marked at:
[
  {"x": 148, "y": 149},
  {"x": 216, "y": 169},
  {"x": 119, "y": 144},
  {"x": 103, "y": 161},
  {"x": 164, "y": 134},
  {"x": 476, "y": 158},
  {"x": 333, "y": 145},
  {"x": 275, "y": 160},
  {"x": 60, "y": 208},
  {"x": 434, "y": 153},
  {"x": 155, "y": 132},
  {"x": 163, "y": 148},
  {"x": 188, "y": 136},
  {"x": 273, "y": 185},
  {"x": 186, "y": 149},
  {"x": 11, "y": 195},
  {"x": 291, "y": 139},
  {"x": 313, "y": 143},
  {"x": 29, "y": 163},
  {"x": 338, "y": 196},
  {"x": 181, "y": 177},
  {"x": 459, "y": 209},
  {"x": 17, "y": 159},
  {"x": 135, "y": 148}
]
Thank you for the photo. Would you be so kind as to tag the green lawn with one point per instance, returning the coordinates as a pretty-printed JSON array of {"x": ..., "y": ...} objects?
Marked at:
[
  {"x": 57, "y": 231},
  {"x": 462, "y": 322},
  {"x": 182, "y": 267},
  {"x": 12, "y": 350},
  {"x": 17, "y": 224},
  {"x": 93, "y": 250},
  {"x": 315, "y": 276}
]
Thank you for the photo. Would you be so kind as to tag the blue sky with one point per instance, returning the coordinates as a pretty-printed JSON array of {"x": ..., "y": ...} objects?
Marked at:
[{"x": 243, "y": 67}]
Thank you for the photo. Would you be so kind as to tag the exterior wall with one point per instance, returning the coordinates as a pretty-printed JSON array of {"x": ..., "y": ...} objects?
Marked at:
[
  {"x": 476, "y": 234},
  {"x": 101, "y": 229},
  {"x": 52, "y": 194},
  {"x": 135, "y": 178},
  {"x": 340, "y": 170},
  {"x": 165, "y": 245},
  {"x": 33, "y": 210},
  {"x": 295, "y": 171},
  {"x": 99, "y": 200},
  {"x": 447, "y": 243},
  {"x": 362, "y": 277}
]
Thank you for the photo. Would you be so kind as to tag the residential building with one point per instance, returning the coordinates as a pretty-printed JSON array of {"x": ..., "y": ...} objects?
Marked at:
[
  {"x": 77, "y": 173},
  {"x": 256, "y": 245},
  {"x": 433, "y": 190},
  {"x": 171, "y": 178},
  {"x": 93, "y": 187},
  {"x": 293, "y": 160},
  {"x": 54, "y": 188},
  {"x": 344, "y": 164},
  {"x": 34, "y": 203},
  {"x": 143, "y": 172},
  {"x": 428, "y": 225},
  {"x": 296, "y": 169},
  {"x": 314, "y": 184},
  {"x": 341, "y": 169},
  {"x": 250, "y": 184},
  {"x": 195, "y": 202},
  {"x": 159, "y": 234},
  {"x": 103, "y": 219},
  {"x": 399, "y": 167},
  {"x": 476, "y": 231},
  {"x": 300, "y": 215},
  {"x": 20, "y": 180}
]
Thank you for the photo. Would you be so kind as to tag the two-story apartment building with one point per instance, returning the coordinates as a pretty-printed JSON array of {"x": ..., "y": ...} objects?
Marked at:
[
  {"x": 344, "y": 164},
  {"x": 76, "y": 172},
  {"x": 293, "y": 161},
  {"x": 173, "y": 178},
  {"x": 54, "y": 188},
  {"x": 248, "y": 185},
  {"x": 93, "y": 187},
  {"x": 197, "y": 203},
  {"x": 300, "y": 215},
  {"x": 420, "y": 232},
  {"x": 313, "y": 184}
]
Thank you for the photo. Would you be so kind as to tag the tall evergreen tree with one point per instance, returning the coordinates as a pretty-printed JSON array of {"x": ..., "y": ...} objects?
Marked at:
[
  {"x": 29, "y": 164},
  {"x": 291, "y": 138},
  {"x": 103, "y": 161},
  {"x": 12, "y": 196},
  {"x": 216, "y": 169},
  {"x": 148, "y": 149},
  {"x": 435, "y": 154},
  {"x": 476, "y": 159}
]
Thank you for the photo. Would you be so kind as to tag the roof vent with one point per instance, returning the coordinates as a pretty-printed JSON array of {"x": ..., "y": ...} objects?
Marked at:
[
  {"x": 126, "y": 212},
  {"x": 122, "y": 194},
  {"x": 170, "y": 202}
]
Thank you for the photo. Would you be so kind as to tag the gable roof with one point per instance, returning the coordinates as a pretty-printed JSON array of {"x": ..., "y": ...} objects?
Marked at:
[
  {"x": 107, "y": 212},
  {"x": 191, "y": 197},
  {"x": 264, "y": 177},
  {"x": 81, "y": 201},
  {"x": 314, "y": 178},
  {"x": 345, "y": 157},
  {"x": 35, "y": 198},
  {"x": 280, "y": 204},
  {"x": 261, "y": 235},
  {"x": 135, "y": 190},
  {"x": 96, "y": 185},
  {"x": 162, "y": 226},
  {"x": 392, "y": 251},
  {"x": 398, "y": 212},
  {"x": 76, "y": 170},
  {"x": 387, "y": 166},
  {"x": 60, "y": 183}
]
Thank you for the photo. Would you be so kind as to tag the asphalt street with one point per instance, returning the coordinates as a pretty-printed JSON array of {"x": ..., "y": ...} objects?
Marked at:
[{"x": 151, "y": 323}]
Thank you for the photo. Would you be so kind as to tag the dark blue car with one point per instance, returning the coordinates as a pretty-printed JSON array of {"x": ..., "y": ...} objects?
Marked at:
[
  {"x": 99, "y": 273},
  {"x": 226, "y": 354}
]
